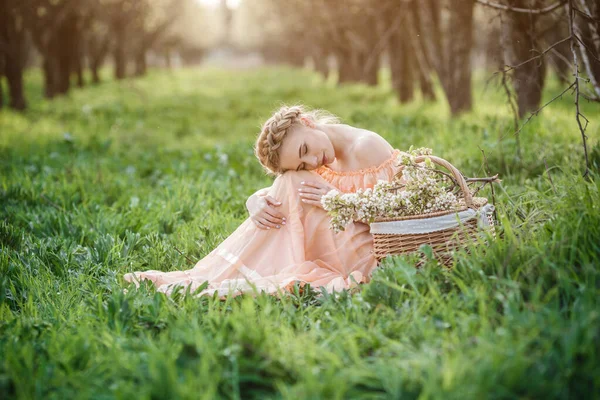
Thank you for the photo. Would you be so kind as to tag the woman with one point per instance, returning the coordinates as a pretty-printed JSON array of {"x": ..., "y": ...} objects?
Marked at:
[{"x": 287, "y": 236}]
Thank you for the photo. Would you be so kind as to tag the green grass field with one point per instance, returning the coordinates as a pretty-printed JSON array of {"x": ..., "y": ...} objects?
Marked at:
[{"x": 122, "y": 176}]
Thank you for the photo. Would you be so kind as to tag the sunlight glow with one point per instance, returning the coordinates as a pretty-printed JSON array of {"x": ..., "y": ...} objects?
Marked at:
[{"x": 216, "y": 3}]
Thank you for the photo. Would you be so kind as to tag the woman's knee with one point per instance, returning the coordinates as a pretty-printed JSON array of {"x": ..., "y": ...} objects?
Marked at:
[
  {"x": 295, "y": 178},
  {"x": 291, "y": 181}
]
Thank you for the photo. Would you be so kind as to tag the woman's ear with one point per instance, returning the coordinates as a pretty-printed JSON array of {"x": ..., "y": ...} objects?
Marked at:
[{"x": 307, "y": 121}]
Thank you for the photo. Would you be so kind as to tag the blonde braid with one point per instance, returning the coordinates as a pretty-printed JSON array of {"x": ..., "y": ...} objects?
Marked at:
[
  {"x": 275, "y": 128},
  {"x": 272, "y": 134}
]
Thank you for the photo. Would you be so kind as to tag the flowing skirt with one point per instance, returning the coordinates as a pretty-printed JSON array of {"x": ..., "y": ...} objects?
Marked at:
[{"x": 305, "y": 249}]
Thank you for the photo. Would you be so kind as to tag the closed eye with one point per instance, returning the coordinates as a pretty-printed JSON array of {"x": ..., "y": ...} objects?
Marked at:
[{"x": 303, "y": 165}]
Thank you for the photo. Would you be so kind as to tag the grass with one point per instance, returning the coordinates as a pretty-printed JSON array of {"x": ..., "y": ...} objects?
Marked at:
[{"x": 124, "y": 175}]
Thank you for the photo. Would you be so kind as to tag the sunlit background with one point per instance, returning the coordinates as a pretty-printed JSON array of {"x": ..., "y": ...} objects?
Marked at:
[{"x": 417, "y": 43}]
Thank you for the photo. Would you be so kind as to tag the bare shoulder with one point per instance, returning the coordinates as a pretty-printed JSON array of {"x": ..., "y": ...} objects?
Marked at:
[{"x": 370, "y": 148}]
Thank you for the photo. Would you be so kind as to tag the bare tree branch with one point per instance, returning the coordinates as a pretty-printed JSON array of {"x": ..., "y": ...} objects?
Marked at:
[
  {"x": 587, "y": 48},
  {"x": 511, "y": 67},
  {"x": 575, "y": 84},
  {"x": 504, "y": 7},
  {"x": 585, "y": 15},
  {"x": 512, "y": 101},
  {"x": 536, "y": 112}
]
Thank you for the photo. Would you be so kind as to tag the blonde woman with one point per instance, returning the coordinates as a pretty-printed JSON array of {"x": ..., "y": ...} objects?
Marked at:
[{"x": 287, "y": 237}]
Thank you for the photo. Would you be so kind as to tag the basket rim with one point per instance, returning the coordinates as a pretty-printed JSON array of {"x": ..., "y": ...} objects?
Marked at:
[{"x": 430, "y": 215}]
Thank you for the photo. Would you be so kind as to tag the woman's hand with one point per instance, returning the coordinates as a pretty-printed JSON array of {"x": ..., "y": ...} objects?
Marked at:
[
  {"x": 312, "y": 192},
  {"x": 263, "y": 213}
]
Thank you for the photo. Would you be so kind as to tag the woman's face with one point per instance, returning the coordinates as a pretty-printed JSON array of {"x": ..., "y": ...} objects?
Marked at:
[{"x": 305, "y": 148}]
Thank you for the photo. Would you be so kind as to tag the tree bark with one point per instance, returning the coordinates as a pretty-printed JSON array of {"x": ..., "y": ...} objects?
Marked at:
[
  {"x": 79, "y": 71},
  {"x": 64, "y": 53},
  {"x": 435, "y": 50},
  {"x": 346, "y": 68},
  {"x": 12, "y": 56},
  {"x": 368, "y": 75},
  {"x": 140, "y": 62},
  {"x": 119, "y": 51},
  {"x": 78, "y": 59},
  {"x": 97, "y": 50},
  {"x": 459, "y": 57},
  {"x": 528, "y": 79},
  {"x": 95, "y": 76},
  {"x": 426, "y": 85},
  {"x": 400, "y": 55},
  {"x": 48, "y": 68},
  {"x": 559, "y": 59},
  {"x": 589, "y": 32},
  {"x": 1, "y": 89},
  {"x": 422, "y": 57},
  {"x": 14, "y": 75},
  {"x": 319, "y": 57}
]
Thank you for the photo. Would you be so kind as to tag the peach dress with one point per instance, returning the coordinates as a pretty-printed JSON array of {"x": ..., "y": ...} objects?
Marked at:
[{"x": 252, "y": 260}]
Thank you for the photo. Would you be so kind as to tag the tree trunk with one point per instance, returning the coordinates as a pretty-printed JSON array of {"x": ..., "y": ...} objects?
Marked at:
[
  {"x": 95, "y": 75},
  {"x": 459, "y": 57},
  {"x": 12, "y": 59},
  {"x": 295, "y": 57},
  {"x": 422, "y": 57},
  {"x": 78, "y": 62},
  {"x": 140, "y": 62},
  {"x": 346, "y": 70},
  {"x": 400, "y": 55},
  {"x": 558, "y": 58},
  {"x": 319, "y": 57},
  {"x": 589, "y": 31},
  {"x": 64, "y": 70},
  {"x": 78, "y": 49},
  {"x": 119, "y": 52},
  {"x": 79, "y": 72},
  {"x": 48, "y": 77},
  {"x": 368, "y": 75},
  {"x": 14, "y": 75},
  {"x": 1, "y": 92},
  {"x": 426, "y": 85},
  {"x": 528, "y": 79},
  {"x": 65, "y": 51},
  {"x": 435, "y": 49},
  {"x": 97, "y": 50}
]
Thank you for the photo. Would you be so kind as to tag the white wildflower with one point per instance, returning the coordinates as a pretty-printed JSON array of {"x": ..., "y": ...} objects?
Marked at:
[{"x": 418, "y": 191}]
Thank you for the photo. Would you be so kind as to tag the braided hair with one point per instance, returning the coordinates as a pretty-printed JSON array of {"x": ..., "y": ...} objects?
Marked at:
[{"x": 275, "y": 128}]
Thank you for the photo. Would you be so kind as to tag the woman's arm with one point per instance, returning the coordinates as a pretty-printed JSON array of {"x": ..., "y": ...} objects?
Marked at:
[
  {"x": 259, "y": 193},
  {"x": 260, "y": 206}
]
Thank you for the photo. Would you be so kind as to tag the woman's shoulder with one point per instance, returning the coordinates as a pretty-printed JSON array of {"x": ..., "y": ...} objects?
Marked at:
[{"x": 370, "y": 148}]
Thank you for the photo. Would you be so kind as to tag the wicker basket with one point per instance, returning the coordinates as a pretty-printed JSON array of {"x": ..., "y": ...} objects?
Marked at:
[{"x": 444, "y": 231}]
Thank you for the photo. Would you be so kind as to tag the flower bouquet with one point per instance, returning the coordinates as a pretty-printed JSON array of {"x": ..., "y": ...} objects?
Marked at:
[{"x": 422, "y": 205}]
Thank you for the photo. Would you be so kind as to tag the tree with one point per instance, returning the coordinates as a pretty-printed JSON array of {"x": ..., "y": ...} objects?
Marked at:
[
  {"x": 12, "y": 53},
  {"x": 523, "y": 38},
  {"x": 458, "y": 78}
]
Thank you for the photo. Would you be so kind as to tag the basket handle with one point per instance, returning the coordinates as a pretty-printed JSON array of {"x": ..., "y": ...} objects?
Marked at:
[{"x": 455, "y": 172}]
